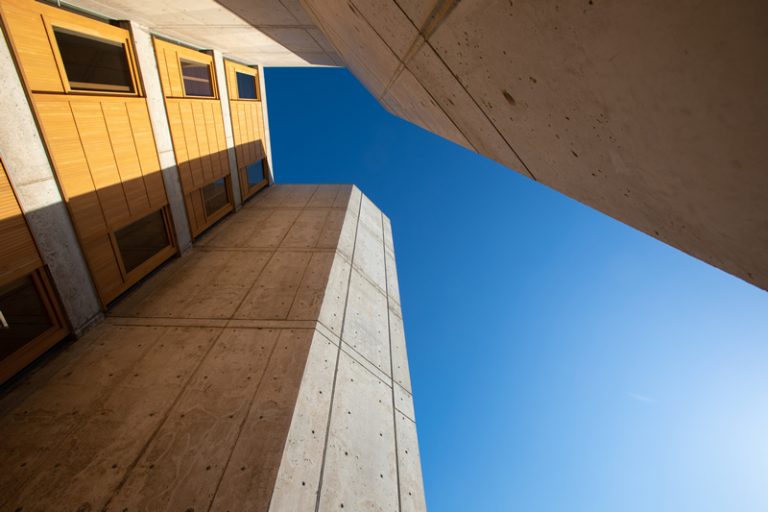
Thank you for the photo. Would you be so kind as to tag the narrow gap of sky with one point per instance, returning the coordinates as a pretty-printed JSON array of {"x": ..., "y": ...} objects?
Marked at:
[{"x": 561, "y": 361}]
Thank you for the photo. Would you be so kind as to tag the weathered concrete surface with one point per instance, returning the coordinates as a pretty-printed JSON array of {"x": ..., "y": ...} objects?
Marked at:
[
  {"x": 349, "y": 445},
  {"x": 654, "y": 113},
  {"x": 266, "y": 32},
  {"x": 213, "y": 386},
  {"x": 30, "y": 172},
  {"x": 145, "y": 56}
]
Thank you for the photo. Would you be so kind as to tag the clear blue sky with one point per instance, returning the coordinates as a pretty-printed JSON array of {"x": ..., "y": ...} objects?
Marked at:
[{"x": 561, "y": 361}]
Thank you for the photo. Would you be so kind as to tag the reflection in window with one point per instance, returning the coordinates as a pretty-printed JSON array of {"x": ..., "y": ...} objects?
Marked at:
[
  {"x": 246, "y": 86},
  {"x": 142, "y": 239},
  {"x": 215, "y": 196},
  {"x": 255, "y": 173},
  {"x": 24, "y": 313},
  {"x": 93, "y": 64},
  {"x": 197, "y": 79}
]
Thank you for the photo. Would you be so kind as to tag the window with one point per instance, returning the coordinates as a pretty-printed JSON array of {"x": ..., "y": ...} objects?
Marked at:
[
  {"x": 197, "y": 79},
  {"x": 142, "y": 239},
  {"x": 94, "y": 64},
  {"x": 23, "y": 315},
  {"x": 255, "y": 173},
  {"x": 215, "y": 196},
  {"x": 246, "y": 86}
]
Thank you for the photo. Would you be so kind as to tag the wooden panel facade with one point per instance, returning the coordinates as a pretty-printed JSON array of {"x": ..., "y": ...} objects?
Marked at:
[
  {"x": 98, "y": 135},
  {"x": 26, "y": 289},
  {"x": 197, "y": 132},
  {"x": 247, "y": 126}
]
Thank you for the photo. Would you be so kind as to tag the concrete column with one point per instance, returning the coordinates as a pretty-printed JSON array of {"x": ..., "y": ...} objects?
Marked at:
[
  {"x": 221, "y": 83},
  {"x": 30, "y": 172},
  {"x": 352, "y": 443},
  {"x": 265, "y": 113},
  {"x": 145, "y": 55}
]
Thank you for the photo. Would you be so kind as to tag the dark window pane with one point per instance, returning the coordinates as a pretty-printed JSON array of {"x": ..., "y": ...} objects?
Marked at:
[
  {"x": 215, "y": 196},
  {"x": 93, "y": 64},
  {"x": 246, "y": 86},
  {"x": 141, "y": 240},
  {"x": 255, "y": 173},
  {"x": 197, "y": 79},
  {"x": 24, "y": 313}
]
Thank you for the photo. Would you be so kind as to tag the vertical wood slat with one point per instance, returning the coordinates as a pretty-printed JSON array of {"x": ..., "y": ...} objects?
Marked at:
[
  {"x": 101, "y": 161},
  {"x": 71, "y": 166},
  {"x": 18, "y": 253},
  {"x": 144, "y": 141},
  {"x": 30, "y": 39},
  {"x": 102, "y": 146},
  {"x": 126, "y": 156}
]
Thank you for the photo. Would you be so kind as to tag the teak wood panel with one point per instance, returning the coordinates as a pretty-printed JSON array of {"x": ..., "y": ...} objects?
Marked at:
[
  {"x": 18, "y": 253},
  {"x": 19, "y": 257},
  {"x": 247, "y": 125},
  {"x": 101, "y": 144},
  {"x": 197, "y": 131}
]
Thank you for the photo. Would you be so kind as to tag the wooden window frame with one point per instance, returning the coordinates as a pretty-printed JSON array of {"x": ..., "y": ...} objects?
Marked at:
[
  {"x": 36, "y": 347},
  {"x": 132, "y": 277},
  {"x": 224, "y": 210},
  {"x": 99, "y": 31},
  {"x": 211, "y": 74},
  {"x": 245, "y": 187},
  {"x": 257, "y": 85}
]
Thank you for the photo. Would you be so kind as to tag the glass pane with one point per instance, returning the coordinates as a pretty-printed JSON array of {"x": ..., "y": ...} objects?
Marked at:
[
  {"x": 255, "y": 173},
  {"x": 215, "y": 196},
  {"x": 141, "y": 240},
  {"x": 94, "y": 64},
  {"x": 24, "y": 313},
  {"x": 197, "y": 79},
  {"x": 246, "y": 86}
]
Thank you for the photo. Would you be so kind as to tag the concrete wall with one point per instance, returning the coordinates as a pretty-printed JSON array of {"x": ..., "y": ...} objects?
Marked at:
[
  {"x": 654, "y": 113},
  {"x": 266, "y": 370},
  {"x": 30, "y": 172},
  {"x": 352, "y": 442}
]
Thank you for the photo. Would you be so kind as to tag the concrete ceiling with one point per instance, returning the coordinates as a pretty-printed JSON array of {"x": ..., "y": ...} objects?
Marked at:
[
  {"x": 263, "y": 32},
  {"x": 653, "y": 112}
]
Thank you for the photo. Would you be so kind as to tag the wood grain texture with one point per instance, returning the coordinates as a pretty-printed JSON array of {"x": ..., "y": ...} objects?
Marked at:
[
  {"x": 247, "y": 126},
  {"x": 101, "y": 144},
  {"x": 18, "y": 253},
  {"x": 197, "y": 132}
]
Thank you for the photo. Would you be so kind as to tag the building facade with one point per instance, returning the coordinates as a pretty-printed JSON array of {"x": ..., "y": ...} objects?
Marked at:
[{"x": 178, "y": 332}]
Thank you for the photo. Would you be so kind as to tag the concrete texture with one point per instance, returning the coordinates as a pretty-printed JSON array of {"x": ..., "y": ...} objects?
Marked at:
[
  {"x": 221, "y": 84},
  {"x": 225, "y": 381},
  {"x": 265, "y": 113},
  {"x": 31, "y": 175},
  {"x": 145, "y": 56},
  {"x": 267, "y": 32},
  {"x": 349, "y": 445},
  {"x": 653, "y": 113}
]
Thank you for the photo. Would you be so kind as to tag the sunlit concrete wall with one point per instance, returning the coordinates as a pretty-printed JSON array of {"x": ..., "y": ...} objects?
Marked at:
[
  {"x": 654, "y": 113},
  {"x": 266, "y": 370},
  {"x": 352, "y": 443}
]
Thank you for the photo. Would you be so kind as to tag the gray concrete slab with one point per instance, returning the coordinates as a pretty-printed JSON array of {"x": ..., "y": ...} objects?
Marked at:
[{"x": 360, "y": 466}]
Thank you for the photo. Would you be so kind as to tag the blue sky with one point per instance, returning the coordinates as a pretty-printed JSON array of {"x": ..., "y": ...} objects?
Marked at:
[{"x": 561, "y": 361}]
